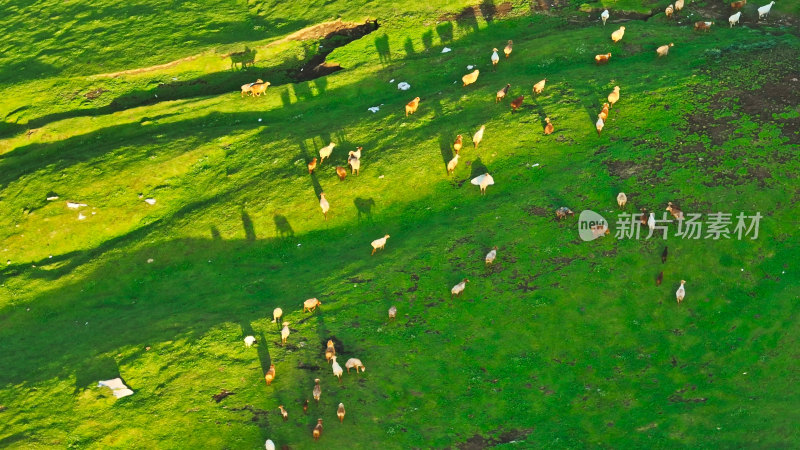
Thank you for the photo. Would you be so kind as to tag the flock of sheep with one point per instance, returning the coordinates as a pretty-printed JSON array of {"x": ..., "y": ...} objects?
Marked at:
[{"x": 354, "y": 161}]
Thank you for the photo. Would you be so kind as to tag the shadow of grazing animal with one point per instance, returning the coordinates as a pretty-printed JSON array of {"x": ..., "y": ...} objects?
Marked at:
[{"x": 364, "y": 208}]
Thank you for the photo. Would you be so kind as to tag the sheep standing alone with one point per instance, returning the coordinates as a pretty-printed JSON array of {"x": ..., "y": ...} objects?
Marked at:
[
  {"x": 341, "y": 172},
  {"x": 411, "y": 107},
  {"x": 664, "y": 254},
  {"x": 305, "y": 407},
  {"x": 323, "y": 203},
  {"x": 764, "y": 10},
  {"x": 734, "y": 19},
  {"x": 325, "y": 152},
  {"x": 340, "y": 413},
  {"x": 311, "y": 304},
  {"x": 602, "y": 59},
  {"x": 312, "y": 165},
  {"x": 378, "y": 244},
  {"x": 470, "y": 77},
  {"x": 539, "y": 87},
  {"x": 277, "y": 313},
  {"x": 495, "y": 57},
  {"x": 478, "y": 136},
  {"x": 337, "y": 369},
  {"x": 483, "y": 181},
  {"x": 516, "y": 103},
  {"x": 249, "y": 341},
  {"x": 284, "y": 413},
  {"x": 285, "y": 332},
  {"x": 622, "y": 199},
  {"x": 604, "y": 15},
  {"x": 664, "y": 50},
  {"x": 317, "y": 432},
  {"x": 269, "y": 445},
  {"x": 681, "y": 292},
  {"x": 617, "y": 35},
  {"x": 317, "y": 392},
  {"x": 459, "y": 288},
  {"x": 451, "y": 165},
  {"x": 563, "y": 212},
  {"x": 354, "y": 363},
  {"x": 491, "y": 256},
  {"x": 270, "y": 375},
  {"x": 548, "y": 128},
  {"x": 660, "y": 278},
  {"x": 392, "y": 312},
  {"x": 501, "y": 94},
  {"x": 509, "y": 48}
]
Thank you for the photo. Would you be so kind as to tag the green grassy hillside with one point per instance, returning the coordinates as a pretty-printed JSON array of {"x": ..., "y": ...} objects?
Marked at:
[{"x": 562, "y": 343}]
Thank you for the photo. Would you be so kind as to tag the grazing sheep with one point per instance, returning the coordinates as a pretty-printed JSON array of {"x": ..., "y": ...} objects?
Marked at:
[
  {"x": 73, "y": 205},
  {"x": 664, "y": 50},
  {"x": 317, "y": 430},
  {"x": 548, "y": 128},
  {"x": 622, "y": 199},
  {"x": 613, "y": 97},
  {"x": 681, "y": 292},
  {"x": 311, "y": 304},
  {"x": 651, "y": 222},
  {"x": 312, "y": 165},
  {"x": 259, "y": 88},
  {"x": 325, "y": 152},
  {"x": 509, "y": 48},
  {"x": 459, "y": 288},
  {"x": 392, "y": 312},
  {"x": 483, "y": 181},
  {"x": 617, "y": 35},
  {"x": 412, "y": 106},
  {"x": 355, "y": 154},
  {"x": 668, "y": 11},
  {"x": 604, "y": 112},
  {"x": 478, "y": 136},
  {"x": 734, "y": 19},
  {"x": 643, "y": 217},
  {"x": 249, "y": 341},
  {"x": 337, "y": 369},
  {"x": 341, "y": 172},
  {"x": 563, "y": 212},
  {"x": 323, "y": 203},
  {"x": 491, "y": 256},
  {"x": 738, "y": 5},
  {"x": 340, "y": 413},
  {"x": 764, "y": 10},
  {"x": 664, "y": 255},
  {"x": 317, "y": 390},
  {"x": 305, "y": 407},
  {"x": 539, "y": 87},
  {"x": 355, "y": 164},
  {"x": 602, "y": 59},
  {"x": 354, "y": 363},
  {"x": 676, "y": 213},
  {"x": 600, "y": 123},
  {"x": 246, "y": 88},
  {"x": 678, "y": 5},
  {"x": 703, "y": 26},
  {"x": 660, "y": 278},
  {"x": 516, "y": 103},
  {"x": 277, "y": 313},
  {"x": 604, "y": 15},
  {"x": 495, "y": 57},
  {"x": 470, "y": 77},
  {"x": 458, "y": 144},
  {"x": 330, "y": 351},
  {"x": 451, "y": 165},
  {"x": 269, "y": 445},
  {"x": 501, "y": 94},
  {"x": 284, "y": 413},
  {"x": 285, "y": 332},
  {"x": 378, "y": 244},
  {"x": 270, "y": 375}
]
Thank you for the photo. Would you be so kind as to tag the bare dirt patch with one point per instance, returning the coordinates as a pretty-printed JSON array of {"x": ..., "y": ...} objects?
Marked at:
[{"x": 479, "y": 442}]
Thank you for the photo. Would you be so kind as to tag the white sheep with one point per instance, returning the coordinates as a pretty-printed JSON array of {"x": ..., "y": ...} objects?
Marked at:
[
  {"x": 73, "y": 205},
  {"x": 323, "y": 203},
  {"x": 269, "y": 445},
  {"x": 681, "y": 292},
  {"x": 491, "y": 256},
  {"x": 622, "y": 199},
  {"x": 325, "y": 152},
  {"x": 764, "y": 10},
  {"x": 651, "y": 222},
  {"x": 392, "y": 312},
  {"x": 249, "y": 341},
  {"x": 451, "y": 165},
  {"x": 734, "y": 19},
  {"x": 337, "y": 369},
  {"x": 478, "y": 136},
  {"x": 483, "y": 181},
  {"x": 150, "y": 201},
  {"x": 285, "y": 332},
  {"x": 277, "y": 313},
  {"x": 459, "y": 288},
  {"x": 378, "y": 244},
  {"x": 354, "y": 363},
  {"x": 604, "y": 16}
]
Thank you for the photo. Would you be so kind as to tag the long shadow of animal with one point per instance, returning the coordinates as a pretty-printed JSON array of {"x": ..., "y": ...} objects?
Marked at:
[
  {"x": 382, "y": 46},
  {"x": 364, "y": 208},
  {"x": 282, "y": 226},
  {"x": 446, "y": 147},
  {"x": 243, "y": 58},
  {"x": 249, "y": 229},
  {"x": 261, "y": 345}
]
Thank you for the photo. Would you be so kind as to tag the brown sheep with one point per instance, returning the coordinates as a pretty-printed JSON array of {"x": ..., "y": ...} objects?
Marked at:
[
  {"x": 659, "y": 278},
  {"x": 548, "y": 129},
  {"x": 412, "y": 106},
  {"x": 676, "y": 213},
  {"x": 516, "y": 103},
  {"x": 563, "y": 212},
  {"x": 259, "y": 88},
  {"x": 738, "y": 5},
  {"x": 247, "y": 88},
  {"x": 312, "y": 165},
  {"x": 602, "y": 59},
  {"x": 509, "y": 48},
  {"x": 317, "y": 430},
  {"x": 284, "y": 413},
  {"x": 341, "y": 172},
  {"x": 604, "y": 112},
  {"x": 664, "y": 255},
  {"x": 703, "y": 26},
  {"x": 270, "y": 375},
  {"x": 330, "y": 351},
  {"x": 305, "y": 407},
  {"x": 340, "y": 413},
  {"x": 311, "y": 304},
  {"x": 458, "y": 143}
]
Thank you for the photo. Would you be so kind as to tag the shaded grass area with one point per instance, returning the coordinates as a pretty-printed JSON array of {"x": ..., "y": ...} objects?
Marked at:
[{"x": 562, "y": 343}]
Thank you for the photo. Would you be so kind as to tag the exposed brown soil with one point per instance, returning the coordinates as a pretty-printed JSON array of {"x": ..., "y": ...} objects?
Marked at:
[
  {"x": 487, "y": 10},
  {"x": 479, "y": 442}
]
